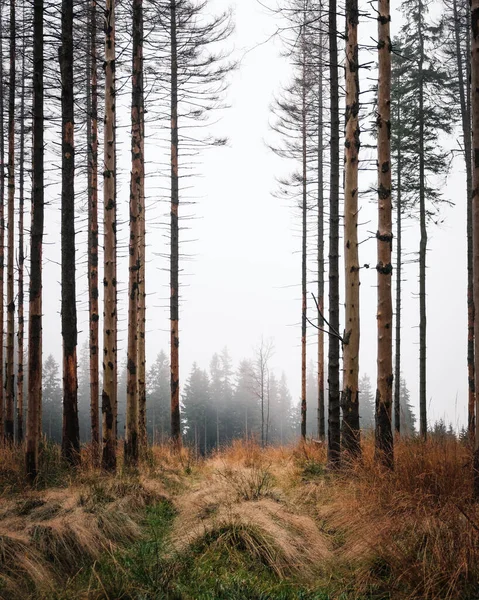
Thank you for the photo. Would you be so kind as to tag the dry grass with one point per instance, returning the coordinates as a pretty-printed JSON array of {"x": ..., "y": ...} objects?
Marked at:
[{"x": 363, "y": 532}]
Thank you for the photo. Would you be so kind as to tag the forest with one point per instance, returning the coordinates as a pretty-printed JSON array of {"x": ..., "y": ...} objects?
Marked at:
[{"x": 136, "y": 466}]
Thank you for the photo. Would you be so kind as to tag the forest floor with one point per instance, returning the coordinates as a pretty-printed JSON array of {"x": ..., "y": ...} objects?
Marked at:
[{"x": 245, "y": 523}]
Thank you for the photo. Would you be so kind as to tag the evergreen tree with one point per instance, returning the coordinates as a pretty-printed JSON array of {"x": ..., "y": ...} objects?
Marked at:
[
  {"x": 158, "y": 399},
  {"x": 52, "y": 400},
  {"x": 199, "y": 414},
  {"x": 366, "y": 403},
  {"x": 247, "y": 412},
  {"x": 425, "y": 115}
]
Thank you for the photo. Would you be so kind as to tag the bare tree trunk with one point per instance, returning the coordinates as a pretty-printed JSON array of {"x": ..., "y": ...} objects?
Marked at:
[
  {"x": 384, "y": 393},
  {"x": 304, "y": 248},
  {"x": 397, "y": 379},
  {"x": 475, "y": 205},
  {"x": 36, "y": 232},
  {"x": 142, "y": 283},
  {"x": 92, "y": 141},
  {"x": 174, "y": 234},
  {"x": 10, "y": 383},
  {"x": 334, "y": 430},
  {"x": 71, "y": 431},
  {"x": 464, "y": 94},
  {"x": 2, "y": 237},
  {"x": 109, "y": 393},
  {"x": 21, "y": 252},
  {"x": 321, "y": 431},
  {"x": 132, "y": 410},
  {"x": 422, "y": 248},
  {"x": 350, "y": 399}
]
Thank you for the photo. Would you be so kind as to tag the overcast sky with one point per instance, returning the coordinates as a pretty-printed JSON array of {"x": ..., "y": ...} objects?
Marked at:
[{"x": 243, "y": 279}]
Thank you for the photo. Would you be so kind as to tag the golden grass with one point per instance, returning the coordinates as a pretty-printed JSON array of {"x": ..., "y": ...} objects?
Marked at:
[{"x": 408, "y": 534}]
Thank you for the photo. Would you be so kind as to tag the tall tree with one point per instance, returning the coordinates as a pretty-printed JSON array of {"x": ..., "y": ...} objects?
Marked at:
[
  {"x": 384, "y": 393},
  {"x": 196, "y": 78},
  {"x": 136, "y": 188},
  {"x": 92, "y": 153},
  {"x": 2, "y": 233},
  {"x": 71, "y": 430},
  {"x": 475, "y": 221},
  {"x": 109, "y": 393},
  {"x": 457, "y": 48},
  {"x": 334, "y": 431},
  {"x": 10, "y": 374},
  {"x": 425, "y": 115},
  {"x": 36, "y": 234},
  {"x": 21, "y": 249},
  {"x": 350, "y": 399}
]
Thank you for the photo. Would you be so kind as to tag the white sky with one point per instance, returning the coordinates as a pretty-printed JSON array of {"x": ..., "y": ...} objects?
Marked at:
[{"x": 243, "y": 281}]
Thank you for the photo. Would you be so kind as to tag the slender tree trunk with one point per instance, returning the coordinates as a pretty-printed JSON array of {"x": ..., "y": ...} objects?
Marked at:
[
  {"x": 92, "y": 142},
  {"x": 384, "y": 392},
  {"x": 141, "y": 282},
  {"x": 334, "y": 430},
  {"x": 2, "y": 236},
  {"x": 422, "y": 248},
  {"x": 36, "y": 233},
  {"x": 132, "y": 409},
  {"x": 304, "y": 247},
  {"x": 397, "y": 378},
  {"x": 109, "y": 393},
  {"x": 71, "y": 431},
  {"x": 350, "y": 400},
  {"x": 321, "y": 431},
  {"x": 464, "y": 93},
  {"x": 10, "y": 383},
  {"x": 21, "y": 252},
  {"x": 475, "y": 207},
  {"x": 174, "y": 235}
]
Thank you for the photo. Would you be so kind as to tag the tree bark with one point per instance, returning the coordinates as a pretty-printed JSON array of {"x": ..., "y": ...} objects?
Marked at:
[
  {"x": 475, "y": 207},
  {"x": 174, "y": 241},
  {"x": 384, "y": 393},
  {"x": 2, "y": 238},
  {"x": 397, "y": 378},
  {"x": 10, "y": 374},
  {"x": 422, "y": 246},
  {"x": 334, "y": 431},
  {"x": 464, "y": 93},
  {"x": 350, "y": 399},
  {"x": 109, "y": 393},
  {"x": 71, "y": 431},
  {"x": 321, "y": 430},
  {"x": 92, "y": 142},
  {"x": 304, "y": 236},
  {"x": 36, "y": 233},
  {"x": 21, "y": 251},
  {"x": 132, "y": 410}
]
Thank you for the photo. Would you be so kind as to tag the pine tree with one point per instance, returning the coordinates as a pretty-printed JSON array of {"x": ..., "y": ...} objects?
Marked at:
[
  {"x": 158, "y": 399},
  {"x": 424, "y": 116}
]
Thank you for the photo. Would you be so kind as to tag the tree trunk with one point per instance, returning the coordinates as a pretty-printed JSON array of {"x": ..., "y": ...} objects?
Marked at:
[
  {"x": 422, "y": 247},
  {"x": 321, "y": 431},
  {"x": 475, "y": 205},
  {"x": 174, "y": 234},
  {"x": 71, "y": 431},
  {"x": 397, "y": 379},
  {"x": 21, "y": 252},
  {"x": 132, "y": 409},
  {"x": 2, "y": 237},
  {"x": 350, "y": 399},
  {"x": 36, "y": 233},
  {"x": 141, "y": 281},
  {"x": 10, "y": 374},
  {"x": 464, "y": 93},
  {"x": 334, "y": 430},
  {"x": 304, "y": 248},
  {"x": 109, "y": 393},
  {"x": 92, "y": 143},
  {"x": 384, "y": 392}
]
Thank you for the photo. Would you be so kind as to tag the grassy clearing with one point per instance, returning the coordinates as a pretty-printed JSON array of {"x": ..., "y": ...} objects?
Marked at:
[{"x": 246, "y": 523}]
